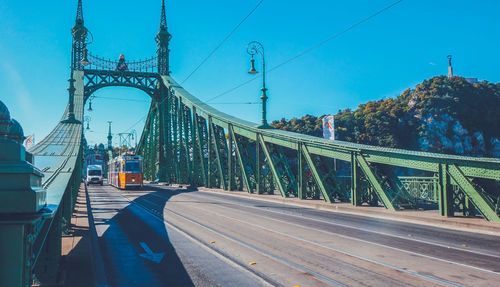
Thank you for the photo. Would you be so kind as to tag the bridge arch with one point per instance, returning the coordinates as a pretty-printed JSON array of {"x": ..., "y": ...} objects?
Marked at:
[{"x": 98, "y": 79}]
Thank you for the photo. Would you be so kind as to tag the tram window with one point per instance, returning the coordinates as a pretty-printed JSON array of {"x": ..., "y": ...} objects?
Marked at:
[{"x": 132, "y": 166}]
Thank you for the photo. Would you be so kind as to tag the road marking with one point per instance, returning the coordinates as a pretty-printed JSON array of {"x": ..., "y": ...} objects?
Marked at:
[
  {"x": 368, "y": 242},
  {"x": 340, "y": 224},
  {"x": 214, "y": 251},
  {"x": 259, "y": 275},
  {"x": 331, "y": 248},
  {"x": 150, "y": 255},
  {"x": 320, "y": 276}
]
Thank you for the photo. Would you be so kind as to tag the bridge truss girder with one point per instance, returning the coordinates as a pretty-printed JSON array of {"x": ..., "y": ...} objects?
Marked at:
[{"x": 213, "y": 149}]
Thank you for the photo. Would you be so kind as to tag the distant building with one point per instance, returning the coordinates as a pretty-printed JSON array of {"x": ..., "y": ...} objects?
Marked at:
[{"x": 472, "y": 80}]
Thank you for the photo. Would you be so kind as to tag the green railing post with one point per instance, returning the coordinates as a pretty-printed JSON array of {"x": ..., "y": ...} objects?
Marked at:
[
  {"x": 209, "y": 155},
  {"x": 258, "y": 167},
  {"x": 300, "y": 173},
  {"x": 445, "y": 194},
  {"x": 21, "y": 201},
  {"x": 230, "y": 173},
  {"x": 355, "y": 188}
]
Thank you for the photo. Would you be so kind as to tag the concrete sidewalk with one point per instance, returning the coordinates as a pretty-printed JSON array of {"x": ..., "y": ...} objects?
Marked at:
[
  {"x": 427, "y": 217},
  {"x": 76, "y": 247}
]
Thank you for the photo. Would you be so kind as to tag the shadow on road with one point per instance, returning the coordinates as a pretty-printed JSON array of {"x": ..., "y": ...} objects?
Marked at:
[{"x": 131, "y": 228}]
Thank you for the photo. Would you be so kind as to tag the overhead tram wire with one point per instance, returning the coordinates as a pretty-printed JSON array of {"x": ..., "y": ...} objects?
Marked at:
[
  {"x": 286, "y": 61},
  {"x": 222, "y": 42},
  {"x": 121, "y": 99},
  {"x": 311, "y": 48},
  {"x": 211, "y": 53},
  {"x": 144, "y": 117}
]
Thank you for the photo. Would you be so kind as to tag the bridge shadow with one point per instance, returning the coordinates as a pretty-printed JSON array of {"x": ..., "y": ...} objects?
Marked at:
[{"x": 126, "y": 230}]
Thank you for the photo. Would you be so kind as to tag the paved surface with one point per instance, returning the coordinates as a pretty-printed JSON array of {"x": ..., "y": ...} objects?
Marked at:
[
  {"x": 212, "y": 239},
  {"x": 422, "y": 217},
  {"x": 77, "y": 268}
]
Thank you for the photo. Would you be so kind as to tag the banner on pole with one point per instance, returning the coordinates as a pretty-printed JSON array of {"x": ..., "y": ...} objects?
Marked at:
[
  {"x": 329, "y": 127},
  {"x": 29, "y": 141}
]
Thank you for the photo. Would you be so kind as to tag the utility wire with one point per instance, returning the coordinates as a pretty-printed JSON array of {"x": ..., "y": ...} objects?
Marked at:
[
  {"x": 312, "y": 48},
  {"x": 283, "y": 63},
  {"x": 120, "y": 99},
  {"x": 222, "y": 42},
  {"x": 132, "y": 126},
  {"x": 245, "y": 103}
]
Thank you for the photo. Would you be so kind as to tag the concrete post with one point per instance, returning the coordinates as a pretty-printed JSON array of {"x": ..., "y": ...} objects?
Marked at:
[{"x": 21, "y": 200}]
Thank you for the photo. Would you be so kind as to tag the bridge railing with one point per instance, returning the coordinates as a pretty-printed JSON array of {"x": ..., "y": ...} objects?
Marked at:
[
  {"x": 211, "y": 148},
  {"x": 38, "y": 191},
  {"x": 100, "y": 63}
]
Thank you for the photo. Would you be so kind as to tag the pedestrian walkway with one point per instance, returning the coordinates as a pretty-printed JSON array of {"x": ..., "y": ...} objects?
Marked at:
[{"x": 76, "y": 247}]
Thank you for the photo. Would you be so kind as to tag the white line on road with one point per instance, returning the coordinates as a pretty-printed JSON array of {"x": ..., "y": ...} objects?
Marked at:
[
  {"x": 356, "y": 239},
  {"x": 357, "y": 228},
  {"x": 331, "y": 248}
]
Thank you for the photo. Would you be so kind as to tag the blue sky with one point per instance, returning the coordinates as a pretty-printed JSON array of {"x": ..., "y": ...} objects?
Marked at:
[{"x": 379, "y": 59}]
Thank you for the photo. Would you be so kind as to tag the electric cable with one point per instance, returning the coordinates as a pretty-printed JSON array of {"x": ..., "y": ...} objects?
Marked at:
[
  {"x": 312, "y": 48},
  {"x": 222, "y": 42}
]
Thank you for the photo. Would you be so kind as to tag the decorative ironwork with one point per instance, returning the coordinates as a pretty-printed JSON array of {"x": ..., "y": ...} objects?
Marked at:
[
  {"x": 98, "y": 63},
  {"x": 96, "y": 79},
  {"x": 424, "y": 188}
]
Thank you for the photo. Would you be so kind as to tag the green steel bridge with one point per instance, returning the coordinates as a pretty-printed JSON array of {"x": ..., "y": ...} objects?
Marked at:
[{"x": 186, "y": 141}]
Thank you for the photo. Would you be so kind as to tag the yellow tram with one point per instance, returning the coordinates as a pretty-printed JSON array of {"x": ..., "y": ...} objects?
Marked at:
[{"x": 125, "y": 171}]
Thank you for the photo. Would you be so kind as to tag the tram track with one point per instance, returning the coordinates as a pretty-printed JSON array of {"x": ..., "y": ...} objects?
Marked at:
[
  {"x": 242, "y": 207},
  {"x": 197, "y": 240},
  {"x": 289, "y": 248},
  {"x": 317, "y": 244},
  {"x": 326, "y": 279}
]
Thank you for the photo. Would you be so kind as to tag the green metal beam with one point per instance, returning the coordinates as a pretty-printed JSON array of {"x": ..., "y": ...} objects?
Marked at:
[
  {"x": 199, "y": 143},
  {"x": 230, "y": 173},
  {"x": 315, "y": 174},
  {"x": 271, "y": 164},
  {"x": 246, "y": 180},
  {"x": 355, "y": 187},
  {"x": 218, "y": 156},
  {"x": 374, "y": 179},
  {"x": 482, "y": 203},
  {"x": 300, "y": 173}
]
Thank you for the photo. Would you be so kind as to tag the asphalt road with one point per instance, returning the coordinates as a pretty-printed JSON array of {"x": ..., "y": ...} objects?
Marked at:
[{"x": 161, "y": 236}]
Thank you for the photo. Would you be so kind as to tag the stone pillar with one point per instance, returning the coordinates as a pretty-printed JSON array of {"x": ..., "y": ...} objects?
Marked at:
[{"x": 21, "y": 201}]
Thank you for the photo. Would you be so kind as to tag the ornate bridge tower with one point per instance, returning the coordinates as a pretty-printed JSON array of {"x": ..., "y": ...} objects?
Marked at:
[
  {"x": 145, "y": 75},
  {"x": 162, "y": 97},
  {"x": 79, "y": 33},
  {"x": 162, "y": 41}
]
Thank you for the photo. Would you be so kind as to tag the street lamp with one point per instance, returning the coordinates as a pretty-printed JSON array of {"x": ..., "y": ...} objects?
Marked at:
[
  {"x": 85, "y": 61},
  {"x": 87, "y": 120},
  {"x": 254, "y": 48},
  {"x": 90, "y": 105}
]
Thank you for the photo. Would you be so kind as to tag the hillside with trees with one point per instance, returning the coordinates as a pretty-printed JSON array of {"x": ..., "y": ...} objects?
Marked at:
[{"x": 443, "y": 115}]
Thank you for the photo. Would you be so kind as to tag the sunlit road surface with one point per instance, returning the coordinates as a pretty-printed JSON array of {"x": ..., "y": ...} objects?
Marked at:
[{"x": 162, "y": 236}]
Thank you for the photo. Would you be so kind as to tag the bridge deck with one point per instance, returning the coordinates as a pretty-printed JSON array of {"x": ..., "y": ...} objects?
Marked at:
[{"x": 290, "y": 245}]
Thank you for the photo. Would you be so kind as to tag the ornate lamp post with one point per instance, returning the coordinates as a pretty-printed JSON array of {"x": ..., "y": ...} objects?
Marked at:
[
  {"x": 85, "y": 61},
  {"x": 87, "y": 120},
  {"x": 254, "y": 48}
]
